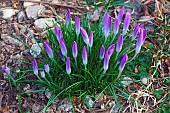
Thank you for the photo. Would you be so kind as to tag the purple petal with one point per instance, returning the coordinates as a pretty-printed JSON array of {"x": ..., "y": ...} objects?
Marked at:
[
  {"x": 35, "y": 67},
  {"x": 110, "y": 50},
  {"x": 139, "y": 41},
  {"x": 144, "y": 35},
  {"x": 6, "y": 70},
  {"x": 107, "y": 23},
  {"x": 48, "y": 49},
  {"x": 68, "y": 17},
  {"x": 123, "y": 62},
  {"x": 42, "y": 74},
  {"x": 63, "y": 47},
  {"x": 119, "y": 43},
  {"x": 68, "y": 67},
  {"x": 77, "y": 25},
  {"x": 84, "y": 35},
  {"x": 74, "y": 49},
  {"x": 116, "y": 26},
  {"x": 47, "y": 68},
  {"x": 126, "y": 22},
  {"x": 91, "y": 39},
  {"x": 106, "y": 62},
  {"x": 61, "y": 56},
  {"x": 102, "y": 52},
  {"x": 84, "y": 55},
  {"x": 58, "y": 33},
  {"x": 120, "y": 58},
  {"x": 135, "y": 31},
  {"x": 120, "y": 15}
]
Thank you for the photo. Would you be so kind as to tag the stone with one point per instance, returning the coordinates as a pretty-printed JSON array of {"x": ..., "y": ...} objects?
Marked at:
[
  {"x": 43, "y": 22},
  {"x": 144, "y": 80},
  {"x": 126, "y": 81},
  {"x": 35, "y": 49},
  {"x": 89, "y": 102},
  {"x": 11, "y": 40},
  {"x": 21, "y": 16},
  {"x": 65, "y": 107},
  {"x": 27, "y": 4},
  {"x": 32, "y": 11},
  {"x": 8, "y": 13}
]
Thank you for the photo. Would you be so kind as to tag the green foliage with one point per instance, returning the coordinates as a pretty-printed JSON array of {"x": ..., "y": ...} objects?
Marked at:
[{"x": 158, "y": 93}]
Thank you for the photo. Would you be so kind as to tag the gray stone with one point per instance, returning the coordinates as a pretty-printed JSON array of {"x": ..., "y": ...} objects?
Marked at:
[
  {"x": 43, "y": 22},
  {"x": 126, "y": 81},
  {"x": 10, "y": 39},
  {"x": 32, "y": 11},
  {"x": 21, "y": 16},
  {"x": 65, "y": 107},
  {"x": 35, "y": 49},
  {"x": 8, "y": 13},
  {"x": 89, "y": 102}
]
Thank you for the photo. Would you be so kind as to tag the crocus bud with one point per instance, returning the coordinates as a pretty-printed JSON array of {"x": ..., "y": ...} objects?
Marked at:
[
  {"x": 77, "y": 25},
  {"x": 68, "y": 67},
  {"x": 42, "y": 74},
  {"x": 74, "y": 49},
  {"x": 84, "y": 56},
  {"x": 48, "y": 49},
  {"x": 63, "y": 47},
  {"x": 84, "y": 35},
  {"x": 116, "y": 26},
  {"x": 35, "y": 67},
  {"x": 58, "y": 33},
  {"x": 120, "y": 58},
  {"x": 61, "y": 56},
  {"x": 91, "y": 39},
  {"x": 123, "y": 62},
  {"x": 47, "y": 68},
  {"x": 102, "y": 52},
  {"x": 68, "y": 17},
  {"x": 120, "y": 15},
  {"x": 119, "y": 43},
  {"x": 110, "y": 50},
  {"x": 139, "y": 41},
  {"x": 6, "y": 70},
  {"x": 135, "y": 31},
  {"x": 126, "y": 23},
  {"x": 107, "y": 23},
  {"x": 106, "y": 62}
]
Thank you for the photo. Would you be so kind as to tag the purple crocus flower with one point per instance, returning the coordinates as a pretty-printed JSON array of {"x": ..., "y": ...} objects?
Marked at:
[
  {"x": 48, "y": 49},
  {"x": 77, "y": 25},
  {"x": 107, "y": 23},
  {"x": 68, "y": 67},
  {"x": 63, "y": 47},
  {"x": 6, "y": 70},
  {"x": 74, "y": 49},
  {"x": 47, "y": 68},
  {"x": 123, "y": 62},
  {"x": 120, "y": 58},
  {"x": 139, "y": 41},
  {"x": 110, "y": 50},
  {"x": 126, "y": 22},
  {"x": 61, "y": 56},
  {"x": 91, "y": 39},
  {"x": 42, "y": 74},
  {"x": 84, "y": 56},
  {"x": 35, "y": 67},
  {"x": 144, "y": 35},
  {"x": 102, "y": 52},
  {"x": 68, "y": 17},
  {"x": 106, "y": 62},
  {"x": 84, "y": 35},
  {"x": 116, "y": 26},
  {"x": 58, "y": 33},
  {"x": 135, "y": 31},
  {"x": 119, "y": 43},
  {"x": 120, "y": 15}
]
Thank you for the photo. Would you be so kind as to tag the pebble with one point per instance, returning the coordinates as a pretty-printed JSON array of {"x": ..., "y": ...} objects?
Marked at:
[
  {"x": 35, "y": 49},
  {"x": 10, "y": 39},
  {"x": 65, "y": 107},
  {"x": 32, "y": 11},
  {"x": 126, "y": 81},
  {"x": 26, "y": 4},
  {"x": 8, "y": 13},
  {"x": 144, "y": 80},
  {"x": 89, "y": 102},
  {"x": 21, "y": 16},
  {"x": 43, "y": 22}
]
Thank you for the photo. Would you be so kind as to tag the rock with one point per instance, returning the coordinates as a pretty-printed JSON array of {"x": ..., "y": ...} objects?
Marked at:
[
  {"x": 26, "y": 4},
  {"x": 43, "y": 22},
  {"x": 32, "y": 11},
  {"x": 8, "y": 13},
  {"x": 144, "y": 80},
  {"x": 10, "y": 39},
  {"x": 65, "y": 107},
  {"x": 21, "y": 16},
  {"x": 126, "y": 81},
  {"x": 48, "y": 94},
  {"x": 114, "y": 109},
  {"x": 35, "y": 49},
  {"x": 89, "y": 102}
]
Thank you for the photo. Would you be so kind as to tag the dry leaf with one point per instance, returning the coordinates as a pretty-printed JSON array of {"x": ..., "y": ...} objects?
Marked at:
[{"x": 6, "y": 108}]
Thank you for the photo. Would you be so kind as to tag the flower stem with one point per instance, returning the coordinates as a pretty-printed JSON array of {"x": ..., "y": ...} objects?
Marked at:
[
  {"x": 132, "y": 58},
  {"x": 120, "y": 72}
]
